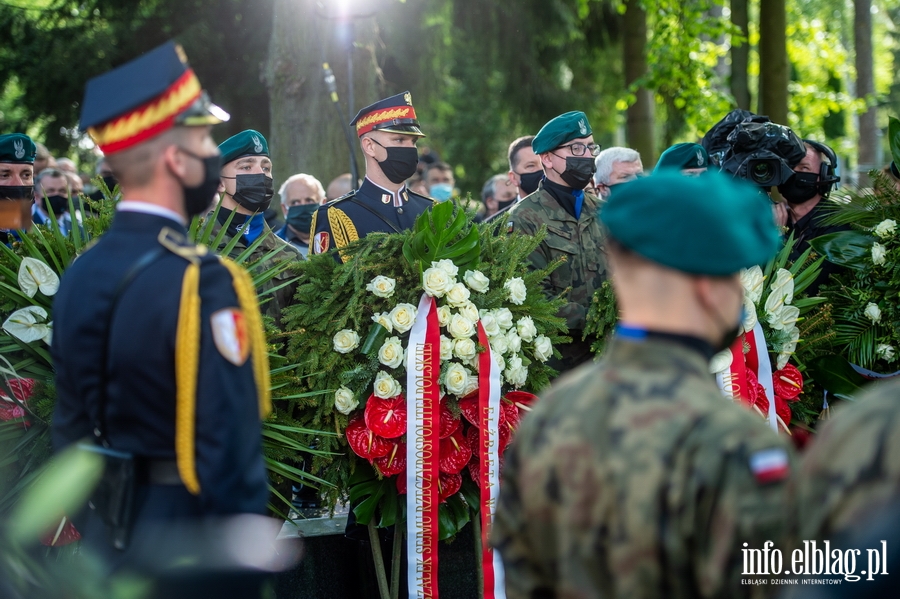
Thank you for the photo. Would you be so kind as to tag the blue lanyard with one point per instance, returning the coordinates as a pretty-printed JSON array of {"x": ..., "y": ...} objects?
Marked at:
[
  {"x": 631, "y": 333},
  {"x": 579, "y": 200}
]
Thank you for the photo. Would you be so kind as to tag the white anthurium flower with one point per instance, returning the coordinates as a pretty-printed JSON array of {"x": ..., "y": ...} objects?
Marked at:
[
  {"x": 784, "y": 319},
  {"x": 782, "y": 360},
  {"x": 873, "y": 312},
  {"x": 750, "y": 318},
  {"x": 879, "y": 254},
  {"x": 781, "y": 291},
  {"x": 721, "y": 361},
  {"x": 752, "y": 281},
  {"x": 886, "y": 228},
  {"x": 25, "y": 325},
  {"x": 35, "y": 275},
  {"x": 886, "y": 352}
]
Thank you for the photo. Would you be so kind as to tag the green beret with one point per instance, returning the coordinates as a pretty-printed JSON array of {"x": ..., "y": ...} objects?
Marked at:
[
  {"x": 17, "y": 148},
  {"x": 709, "y": 225},
  {"x": 565, "y": 127},
  {"x": 245, "y": 143},
  {"x": 683, "y": 156}
]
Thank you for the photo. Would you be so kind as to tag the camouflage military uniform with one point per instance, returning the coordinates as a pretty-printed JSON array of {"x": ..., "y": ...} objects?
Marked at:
[
  {"x": 273, "y": 303},
  {"x": 853, "y": 466},
  {"x": 633, "y": 478},
  {"x": 580, "y": 242}
]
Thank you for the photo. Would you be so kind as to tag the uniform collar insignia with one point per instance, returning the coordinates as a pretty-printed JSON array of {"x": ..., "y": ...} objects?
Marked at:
[{"x": 386, "y": 198}]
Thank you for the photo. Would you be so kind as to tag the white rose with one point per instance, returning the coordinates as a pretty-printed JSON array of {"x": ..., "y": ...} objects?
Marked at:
[
  {"x": 458, "y": 295},
  {"x": 384, "y": 319},
  {"x": 886, "y": 352},
  {"x": 784, "y": 319},
  {"x": 476, "y": 281},
  {"x": 469, "y": 310},
  {"x": 465, "y": 349},
  {"x": 456, "y": 379},
  {"x": 345, "y": 341},
  {"x": 471, "y": 386},
  {"x": 721, "y": 361},
  {"x": 489, "y": 322},
  {"x": 436, "y": 282},
  {"x": 499, "y": 344},
  {"x": 873, "y": 312},
  {"x": 460, "y": 327},
  {"x": 513, "y": 341},
  {"x": 447, "y": 266},
  {"x": 446, "y": 348},
  {"x": 516, "y": 373},
  {"x": 749, "y": 315},
  {"x": 501, "y": 363},
  {"x": 391, "y": 352},
  {"x": 504, "y": 318},
  {"x": 543, "y": 348},
  {"x": 403, "y": 317},
  {"x": 382, "y": 286},
  {"x": 879, "y": 252},
  {"x": 444, "y": 314},
  {"x": 386, "y": 386},
  {"x": 526, "y": 328},
  {"x": 344, "y": 402},
  {"x": 752, "y": 281},
  {"x": 516, "y": 291},
  {"x": 886, "y": 228}
]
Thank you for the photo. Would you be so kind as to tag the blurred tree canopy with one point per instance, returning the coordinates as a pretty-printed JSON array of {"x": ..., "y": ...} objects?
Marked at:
[{"x": 481, "y": 72}]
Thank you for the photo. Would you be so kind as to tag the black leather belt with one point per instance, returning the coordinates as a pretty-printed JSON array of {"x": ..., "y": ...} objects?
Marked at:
[{"x": 157, "y": 472}]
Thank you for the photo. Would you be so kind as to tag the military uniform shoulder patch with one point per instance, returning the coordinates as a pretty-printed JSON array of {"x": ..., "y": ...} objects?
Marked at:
[
  {"x": 321, "y": 242},
  {"x": 346, "y": 196},
  {"x": 769, "y": 465},
  {"x": 231, "y": 335},
  {"x": 178, "y": 244}
]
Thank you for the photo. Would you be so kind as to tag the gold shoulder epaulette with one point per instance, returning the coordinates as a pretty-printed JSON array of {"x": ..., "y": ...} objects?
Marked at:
[{"x": 178, "y": 244}]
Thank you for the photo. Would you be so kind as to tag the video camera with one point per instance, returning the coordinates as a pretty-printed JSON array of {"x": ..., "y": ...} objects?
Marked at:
[{"x": 753, "y": 148}]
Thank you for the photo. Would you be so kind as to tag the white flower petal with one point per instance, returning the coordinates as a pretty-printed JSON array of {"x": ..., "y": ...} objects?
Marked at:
[
  {"x": 23, "y": 324},
  {"x": 34, "y": 275}
]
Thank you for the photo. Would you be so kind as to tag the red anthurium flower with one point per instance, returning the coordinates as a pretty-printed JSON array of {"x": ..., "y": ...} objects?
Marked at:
[
  {"x": 364, "y": 442},
  {"x": 475, "y": 470},
  {"x": 468, "y": 405},
  {"x": 472, "y": 438},
  {"x": 788, "y": 382},
  {"x": 522, "y": 400},
  {"x": 386, "y": 417},
  {"x": 509, "y": 415},
  {"x": 63, "y": 534},
  {"x": 394, "y": 462},
  {"x": 455, "y": 453},
  {"x": 506, "y": 433},
  {"x": 21, "y": 390},
  {"x": 449, "y": 423},
  {"x": 448, "y": 485},
  {"x": 400, "y": 481},
  {"x": 783, "y": 410}
]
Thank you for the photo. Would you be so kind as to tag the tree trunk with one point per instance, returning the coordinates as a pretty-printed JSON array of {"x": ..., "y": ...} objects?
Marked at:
[
  {"x": 865, "y": 90},
  {"x": 639, "y": 118},
  {"x": 740, "y": 55},
  {"x": 773, "y": 63},
  {"x": 307, "y": 130}
]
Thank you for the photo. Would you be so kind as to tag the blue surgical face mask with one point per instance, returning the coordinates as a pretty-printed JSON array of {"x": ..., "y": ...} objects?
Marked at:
[{"x": 441, "y": 191}]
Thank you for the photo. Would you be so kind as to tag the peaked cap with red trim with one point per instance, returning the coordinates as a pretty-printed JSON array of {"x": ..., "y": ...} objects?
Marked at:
[{"x": 394, "y": 115}]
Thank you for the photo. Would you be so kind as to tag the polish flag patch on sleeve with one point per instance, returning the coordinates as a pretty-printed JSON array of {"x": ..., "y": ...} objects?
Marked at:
[
  {"x": 229, "y": 328},
  {"x": 320, "y": 243},
  {"x": 770, "y": 465}
]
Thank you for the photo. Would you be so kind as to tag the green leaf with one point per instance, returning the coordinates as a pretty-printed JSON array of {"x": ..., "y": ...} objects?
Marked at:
[
  {"x": 894, "y": 138},
  {"x": 835, "y": 374},
  {"x": 443, "y": 232},
  {"x": 375, "y": 339},
  {"x": 453, "y": 515},
  {"x": 845, "y": 248}
]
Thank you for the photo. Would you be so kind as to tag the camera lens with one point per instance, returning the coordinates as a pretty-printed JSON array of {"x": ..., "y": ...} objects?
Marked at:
[{"x": 761, "y": 172}]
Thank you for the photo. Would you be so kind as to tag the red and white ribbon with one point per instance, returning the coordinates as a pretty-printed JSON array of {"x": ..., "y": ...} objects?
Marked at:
[
  {"x": 423, "y": 362},
  {"x": 489, "y": 464},
  {"x": 758, "y": 361}
]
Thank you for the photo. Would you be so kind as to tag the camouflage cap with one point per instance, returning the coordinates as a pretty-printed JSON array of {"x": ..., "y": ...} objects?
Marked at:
[
  {"x": 683, "y": 156},
  {"x": 564, "y": 128},
  {"x": 17, "y": 148},
  {"x": 245, "y": 143},
  {"x": 711, "y": 225}
]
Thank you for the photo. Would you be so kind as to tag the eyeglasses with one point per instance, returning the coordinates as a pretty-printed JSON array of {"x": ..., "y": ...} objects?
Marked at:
[{"x": 578, "y": 149}]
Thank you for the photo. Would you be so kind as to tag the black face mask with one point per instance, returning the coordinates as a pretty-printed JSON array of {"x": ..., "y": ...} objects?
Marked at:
[
  {"x": 110, "y": 181},
  {"x": 504, "y": 205},
  {"x": 800, "y": 187},
  {"x": 300, "y": 217},
  {"x": 56, "y": 204},
  {"x": 528, "y": 182},
  {"x": 16, "y": 192},
  {"x": 198, "y": 198},
  {"x": 253, "y": 192},
  {"x": 400, "y": 164},
  {"x": 578, "y": 172}
]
